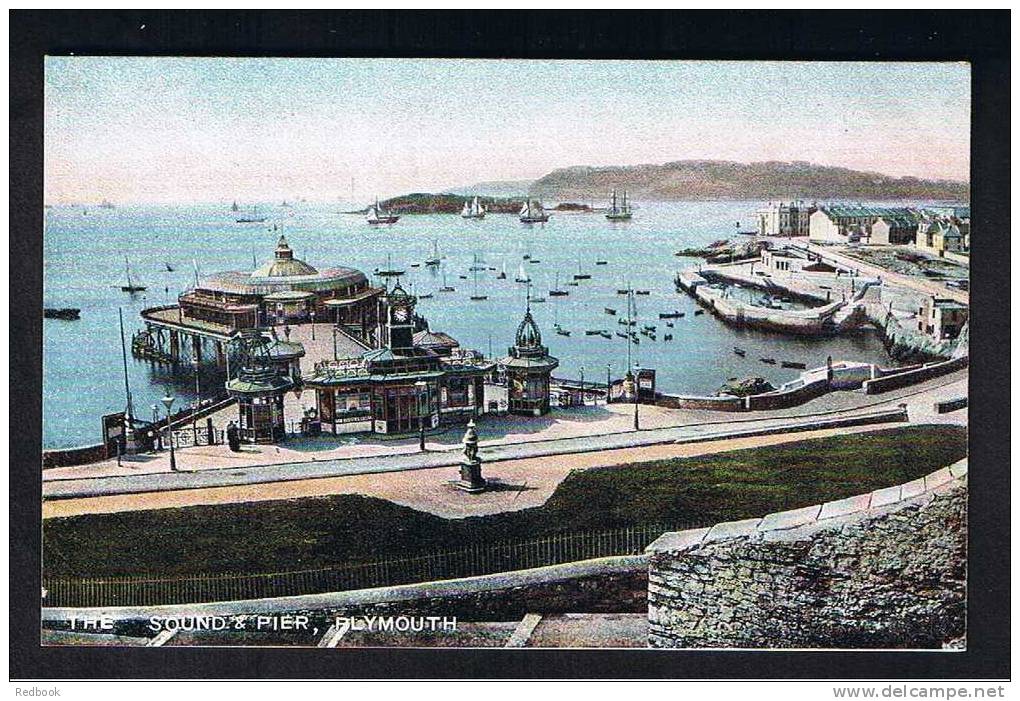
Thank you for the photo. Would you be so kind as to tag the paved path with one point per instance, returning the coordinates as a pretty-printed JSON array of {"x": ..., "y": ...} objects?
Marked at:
[
  {"x": 924, "y": 286},
  {"x": 920, "y": 400},
  {"x": 519, "y": 484}
]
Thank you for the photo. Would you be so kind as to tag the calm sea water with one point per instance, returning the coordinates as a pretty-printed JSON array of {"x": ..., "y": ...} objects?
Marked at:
[{"x": 84, "y": 266}]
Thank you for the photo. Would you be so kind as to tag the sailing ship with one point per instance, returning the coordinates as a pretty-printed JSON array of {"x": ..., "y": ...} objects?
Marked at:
[
  {"x": 502, "y": 272},
  {"x": 106, "y": 204},
  {"x": 473, "y": 210},
  {"x": 477, "y": 265},
  {"x": 619, "y": 211},
  {"x": 445, "y": 287},
  {"x": 522, "y": 275},
  {"x": 557, "y": 292},
  {"x": 252, "y": 218},
  {"x": 434, "y": 261},
  {"x": 389, "y": 270},
  {"x": 378, "y": 215},
  {"x": 474, "y": 269},
  {"x": 131, "y": 286},
  {"x": 532, "y": 213},
  {"x": 234, "y": 207},
  {"x": 581, "y": 275}
]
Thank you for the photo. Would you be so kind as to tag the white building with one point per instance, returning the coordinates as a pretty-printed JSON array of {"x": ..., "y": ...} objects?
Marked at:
[
  {"x": 841, "y": 223},
  {"x": 784, "y": 219},
  {"x": 941, "y": 319}
]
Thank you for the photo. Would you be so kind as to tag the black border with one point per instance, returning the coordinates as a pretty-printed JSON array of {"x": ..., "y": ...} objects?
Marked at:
[{"x": 979, "y": 37}]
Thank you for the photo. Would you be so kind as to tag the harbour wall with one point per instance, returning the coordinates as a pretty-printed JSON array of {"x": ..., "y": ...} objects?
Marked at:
[
  {"x": 902, "y": 342},
  {"x": 814, "y": 383},
  {"x": 885, "y": 569},
  {"x": 605, "y": 585}
]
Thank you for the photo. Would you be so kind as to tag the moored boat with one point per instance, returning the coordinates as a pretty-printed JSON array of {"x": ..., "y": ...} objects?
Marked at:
[
  {"x": 131, "y": 285},
  {"x": 65, "y": 313}
]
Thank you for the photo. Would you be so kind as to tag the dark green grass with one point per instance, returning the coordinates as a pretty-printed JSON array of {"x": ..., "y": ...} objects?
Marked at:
[{"x": 325, "y": 531}]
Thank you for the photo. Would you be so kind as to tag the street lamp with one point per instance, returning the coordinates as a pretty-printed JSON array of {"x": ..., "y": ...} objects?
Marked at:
[
  {"x": 582, "y": 385},
  {"x": 334, "y": 343},
  {"x": 609, "y": 380},
  {"x": 313, "y": 323},
  {"x": 167, "y": 402},
  {"x": 198, "y": 394},
  {"x": 637, "y": 391},
  {"x": 422, "y": 387}
]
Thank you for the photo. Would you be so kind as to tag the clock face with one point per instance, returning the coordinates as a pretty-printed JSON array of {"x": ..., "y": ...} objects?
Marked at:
[{"x": 401, "y": 313}]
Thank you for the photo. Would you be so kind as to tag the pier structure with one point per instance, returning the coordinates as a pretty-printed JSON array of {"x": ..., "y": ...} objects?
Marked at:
[
  {"x": 209, "y": 318},
  {"x": 414, "y": 382}
]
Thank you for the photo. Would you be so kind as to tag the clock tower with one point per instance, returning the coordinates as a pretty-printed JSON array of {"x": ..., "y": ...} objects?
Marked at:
[{"x": 398, "y": 329}]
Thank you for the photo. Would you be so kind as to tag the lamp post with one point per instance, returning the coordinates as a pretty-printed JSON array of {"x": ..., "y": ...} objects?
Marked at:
[
  {"x": 582, "y": 385},
  {"x": 637, "y": 391},
  {"x": 198, "y": 394},
  {"x": 609, "y": 380},
  {"x": 313, "y": 323},
  {"x": 334, "y": 343},
  {"x": 167, "y": 402},
  {"x": 422, "y": 388}
]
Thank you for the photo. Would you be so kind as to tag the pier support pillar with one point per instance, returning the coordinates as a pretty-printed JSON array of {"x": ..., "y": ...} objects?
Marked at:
[
  {"x": 196, "y": 348},
  {"x": 221, "y": 355},
  {"x": 175, "y": 345}
]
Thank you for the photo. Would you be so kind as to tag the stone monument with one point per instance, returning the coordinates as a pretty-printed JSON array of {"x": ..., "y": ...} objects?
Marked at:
[{"x": 471, "y": 480}]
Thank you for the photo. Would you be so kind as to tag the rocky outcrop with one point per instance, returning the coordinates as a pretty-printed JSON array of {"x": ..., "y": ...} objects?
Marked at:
[{"x": 745, "y": 387}]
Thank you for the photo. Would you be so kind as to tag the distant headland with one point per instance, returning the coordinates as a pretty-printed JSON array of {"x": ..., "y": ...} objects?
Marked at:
[{"x": 729, "y": 180}]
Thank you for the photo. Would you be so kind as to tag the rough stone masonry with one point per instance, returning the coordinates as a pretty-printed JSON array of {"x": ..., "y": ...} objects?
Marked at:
[{"x": 880, "y": 570}]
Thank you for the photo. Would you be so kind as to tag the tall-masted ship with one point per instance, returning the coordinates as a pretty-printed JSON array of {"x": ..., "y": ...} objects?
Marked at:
[
  {"x": 619, "y": 211},
  {"x": 378, "y": 215},
  {"x": 533, "y": 213},
  {"x": 253, "y": 218},
  {"x": 473, "y": 210}
]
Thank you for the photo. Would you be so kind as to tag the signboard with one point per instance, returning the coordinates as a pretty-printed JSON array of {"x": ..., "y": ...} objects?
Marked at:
[
  {"x": 646, "y": 384},
  {"x": 113, "y": 433}
]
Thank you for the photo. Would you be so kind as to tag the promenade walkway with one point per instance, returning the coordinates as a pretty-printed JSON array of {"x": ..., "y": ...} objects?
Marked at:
[{"x": 687, "y": 426}]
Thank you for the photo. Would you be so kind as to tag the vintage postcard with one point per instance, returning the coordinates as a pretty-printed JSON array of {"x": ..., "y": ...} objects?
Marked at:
[{"x": 505, "y": 353}]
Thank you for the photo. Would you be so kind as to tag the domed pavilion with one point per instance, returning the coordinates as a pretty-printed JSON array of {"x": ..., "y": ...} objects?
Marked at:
[
  {"x": 284, "y": 290},
  {"x": 528, "y": 367}
]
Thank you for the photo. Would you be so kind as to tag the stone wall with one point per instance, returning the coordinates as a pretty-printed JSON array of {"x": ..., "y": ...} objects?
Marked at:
[
  {"x": 725, "y": 403},
  {"x": 885, "y": 569},
  {"x": 926, "y": 372},
  {"x": 788, "y": 396},
  {"x": 604, "y": 585}
]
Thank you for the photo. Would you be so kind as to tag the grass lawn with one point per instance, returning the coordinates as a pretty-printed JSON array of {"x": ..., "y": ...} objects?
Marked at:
[{"x": 324, "y": 531}]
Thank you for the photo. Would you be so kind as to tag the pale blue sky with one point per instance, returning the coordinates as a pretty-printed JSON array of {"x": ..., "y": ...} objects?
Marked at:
[{"x": 202, "y": 129}]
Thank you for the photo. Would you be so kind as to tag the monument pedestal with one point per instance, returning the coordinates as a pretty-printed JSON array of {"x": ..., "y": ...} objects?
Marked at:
[{"x": 471, "y": 479}]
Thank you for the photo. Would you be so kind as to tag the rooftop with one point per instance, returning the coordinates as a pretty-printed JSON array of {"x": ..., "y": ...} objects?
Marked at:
[{"x": 839, "y": 211}]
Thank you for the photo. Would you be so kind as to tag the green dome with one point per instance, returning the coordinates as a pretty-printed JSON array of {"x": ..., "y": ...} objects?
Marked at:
[{"x": 284, "y": 264}]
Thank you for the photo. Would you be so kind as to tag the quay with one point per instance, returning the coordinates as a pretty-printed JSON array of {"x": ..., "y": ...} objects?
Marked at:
[{"x": 918, "y": 318}]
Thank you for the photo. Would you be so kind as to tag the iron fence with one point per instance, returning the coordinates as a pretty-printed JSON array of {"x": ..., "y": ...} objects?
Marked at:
[
  {"x": 201, "y": 435},
  {"x": 477, "y": 559}
]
